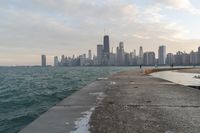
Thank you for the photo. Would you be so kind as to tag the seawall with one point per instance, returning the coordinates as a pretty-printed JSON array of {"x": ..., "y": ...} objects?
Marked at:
[
  {"x": 130, "y": 102},
  {"x": 72, "y": 114},
  {"x": 152, "y": 70}
]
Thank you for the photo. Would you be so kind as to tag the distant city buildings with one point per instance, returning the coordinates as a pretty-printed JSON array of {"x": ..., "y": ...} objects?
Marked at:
[
  {"x": 43, "y": 60},
  {"x": 149, "y": 59},
  {"x": 162, "y": 55},
  {"x": 104, "y": 57}
]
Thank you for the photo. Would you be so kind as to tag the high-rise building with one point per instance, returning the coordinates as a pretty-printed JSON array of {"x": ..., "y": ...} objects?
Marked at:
[
  {"x": 170, "y": 60},
  {"x": 127, "y": 59},
  {"x": 198, "y": 55},
  {"x": 56, "y": 61},
  {"x": 82, "y": 60},
  {"x": 120, "y": 54},
  {"x": 112, "y": 59},
  {"x": 62, "y": 62},
  {"x": 99, "y": 54},
  {"x": 141, "y": 52},
  {"x": 178, "y": 58},
  {"x": 43, "y": 60},
  {"x": 162, "y": 55},
  {"x": 106, "y": 44},
  {"x": 149, "y": 58},
  {"x": 140, "y": 57},
  {"x": 89, "y": 54},
  {"x": 185, "y": 59},
  {"x": 106, "y": 49},
  {"x": 134, "y": 52},
  {"x": 193, "y": 58}
]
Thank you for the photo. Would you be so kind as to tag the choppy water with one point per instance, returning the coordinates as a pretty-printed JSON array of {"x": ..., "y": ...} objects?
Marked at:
[{"x": 26, "y": 92}]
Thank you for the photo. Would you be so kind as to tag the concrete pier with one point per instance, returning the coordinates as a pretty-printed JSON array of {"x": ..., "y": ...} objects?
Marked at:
[
  {"x": 70, "y": 114},
  {"x": 127, "y": 102}
]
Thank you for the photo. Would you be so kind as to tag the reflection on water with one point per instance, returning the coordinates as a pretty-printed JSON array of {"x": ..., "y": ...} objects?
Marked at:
[{"x": 186, "y": 79}]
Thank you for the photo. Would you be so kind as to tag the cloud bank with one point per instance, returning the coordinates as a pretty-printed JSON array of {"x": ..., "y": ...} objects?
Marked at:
[{"x": 55, "y": 27}]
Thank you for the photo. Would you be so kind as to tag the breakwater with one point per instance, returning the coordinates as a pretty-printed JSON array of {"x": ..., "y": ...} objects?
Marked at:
[
  {"x": 152, "y": 70},
  {"x": 128, "y": 101},
  {"x": 27, "y": 92}
]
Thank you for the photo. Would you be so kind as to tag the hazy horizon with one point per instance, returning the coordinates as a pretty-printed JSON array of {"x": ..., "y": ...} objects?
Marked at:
[{"x": 56, "y": 27}]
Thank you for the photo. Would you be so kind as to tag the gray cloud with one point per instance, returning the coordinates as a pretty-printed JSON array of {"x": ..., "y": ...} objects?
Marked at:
[{"x": 72, "y": 27}]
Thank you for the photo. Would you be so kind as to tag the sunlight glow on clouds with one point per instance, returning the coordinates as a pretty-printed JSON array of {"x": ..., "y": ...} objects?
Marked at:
[
  {"x": 180, "y": 5},
  {"x": 54, "y": 27}
]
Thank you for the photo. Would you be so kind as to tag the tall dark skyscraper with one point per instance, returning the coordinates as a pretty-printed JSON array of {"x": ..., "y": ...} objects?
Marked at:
[
  {"x": 106, "y": 49},
  {"x": 106, "y": 45}
]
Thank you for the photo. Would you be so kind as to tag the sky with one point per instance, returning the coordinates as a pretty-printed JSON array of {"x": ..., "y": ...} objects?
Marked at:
[{"x": 29, "y": 28}]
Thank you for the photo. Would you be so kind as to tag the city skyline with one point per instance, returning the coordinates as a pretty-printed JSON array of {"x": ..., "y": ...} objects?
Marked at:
[
  {"x": 105, "y": 57},
  {"x": 51, "y": 27}
]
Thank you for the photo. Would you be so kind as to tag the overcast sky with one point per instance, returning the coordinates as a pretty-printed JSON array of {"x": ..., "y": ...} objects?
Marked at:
[{"x": 29, "y": 28}]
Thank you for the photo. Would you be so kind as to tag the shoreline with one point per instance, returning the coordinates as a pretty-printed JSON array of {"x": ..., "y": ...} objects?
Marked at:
[
  {"x": 192, "y": 70},
  {"x": 72, "y": 113},
  {"x": 152, "y": 70},
  {"x": 86, "y": 110}
]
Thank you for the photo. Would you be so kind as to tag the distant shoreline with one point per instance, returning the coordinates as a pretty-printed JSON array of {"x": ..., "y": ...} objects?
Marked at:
[{"x": 192, "y": 70}]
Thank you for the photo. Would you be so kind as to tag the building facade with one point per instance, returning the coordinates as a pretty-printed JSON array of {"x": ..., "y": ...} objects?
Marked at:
[
  {"x": 43, "y": 60},
  {"x": 99, "y": 54},
  {"x": 162, "y": 55}
]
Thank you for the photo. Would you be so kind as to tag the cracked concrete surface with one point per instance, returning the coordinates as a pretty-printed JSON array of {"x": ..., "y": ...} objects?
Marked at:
[
  {"x": 142, "y": 104},
  {"x": 127, "y": 102}
]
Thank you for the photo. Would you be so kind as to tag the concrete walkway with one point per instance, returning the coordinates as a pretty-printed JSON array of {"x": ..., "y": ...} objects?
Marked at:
[
  {"x": 72, "y": 114},
  {"x": 136, "y": 103},
  {"x": 128, "y": 102}
]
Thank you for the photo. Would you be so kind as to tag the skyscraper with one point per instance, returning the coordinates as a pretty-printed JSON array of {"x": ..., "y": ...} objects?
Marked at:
[
  {"x": 162, "y": 55},
  {"x": 106, "y": 44},
  {"x": 170, "y": 59},
  {"x": 99, "y": 54},
  {"x": 141, "y": 52},
  {"x": 149, "y": 58},
  {"x": 120, "y": 54},
  {"x": 106, "y": 49},
  {"x": 43, "y": 60},
  {"x": 56, "y": 61},
  {"x": 140, "y": 57},
  {"x": 90, "y": 54},
  {"x": 62, "y": 60},
  {"x": 198, "y": 55}
]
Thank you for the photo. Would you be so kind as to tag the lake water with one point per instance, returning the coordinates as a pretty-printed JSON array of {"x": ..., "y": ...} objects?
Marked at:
[{"x": 26, "y": 92}]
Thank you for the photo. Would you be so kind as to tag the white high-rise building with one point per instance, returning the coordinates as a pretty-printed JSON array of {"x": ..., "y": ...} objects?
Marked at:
[
  {"x": 162, "y": 55},
  {"x": 140, "y": 57}
]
